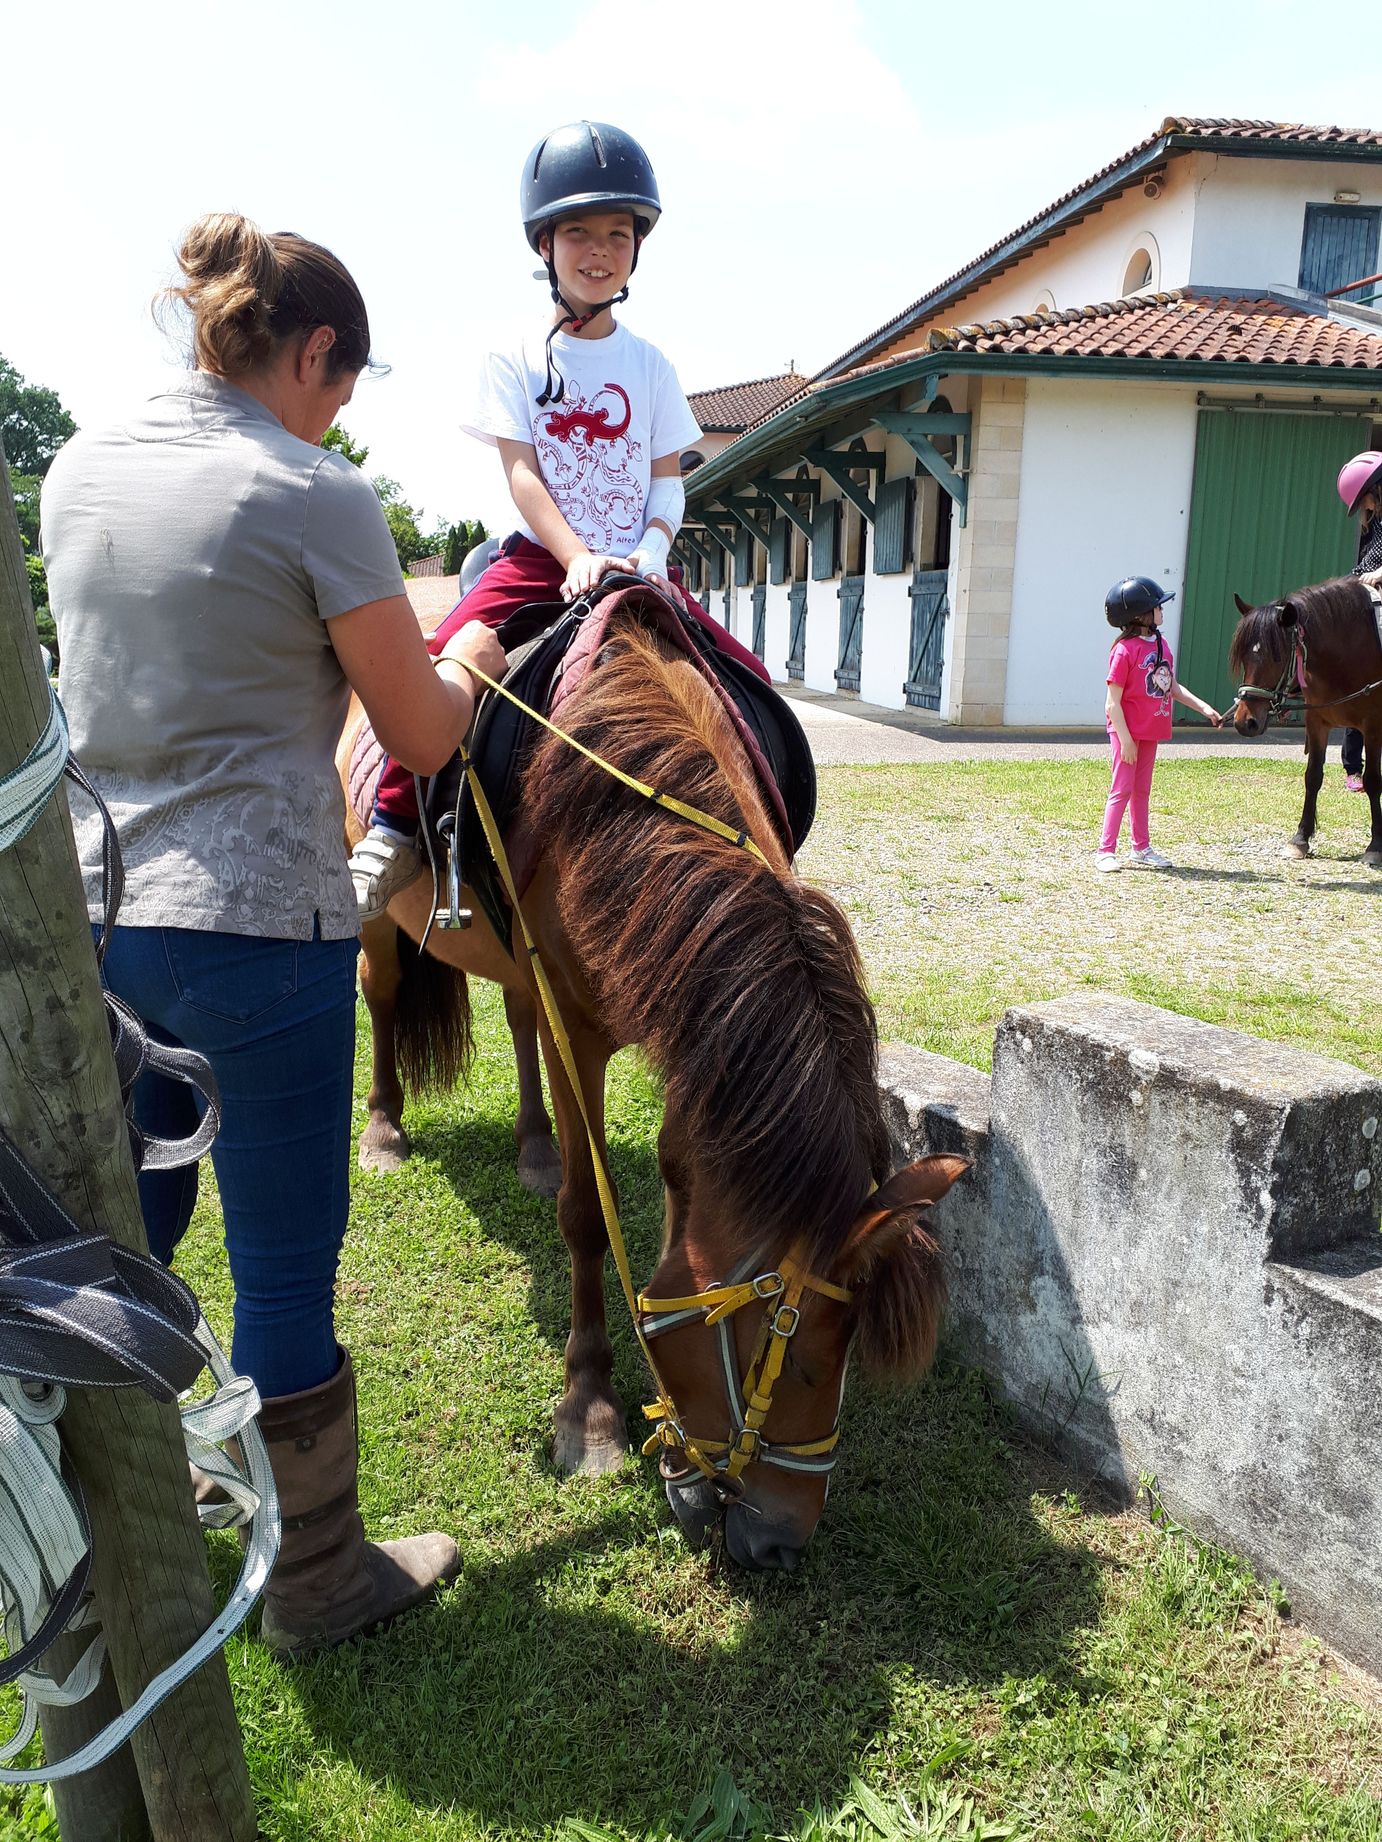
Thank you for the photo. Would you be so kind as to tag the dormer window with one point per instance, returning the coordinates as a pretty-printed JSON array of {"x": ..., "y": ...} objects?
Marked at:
[
  {"x": 1339, "y": 246},
  {"x": 1139, "y": 272}
]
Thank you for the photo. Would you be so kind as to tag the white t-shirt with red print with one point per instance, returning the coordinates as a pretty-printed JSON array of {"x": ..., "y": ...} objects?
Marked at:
[{"x": 622, "y": 410}]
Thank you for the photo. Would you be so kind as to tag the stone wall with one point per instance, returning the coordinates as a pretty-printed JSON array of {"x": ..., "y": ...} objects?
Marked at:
[
  {"x": 986, "y": 553},
  {"x": 1168, "y": 1255}
]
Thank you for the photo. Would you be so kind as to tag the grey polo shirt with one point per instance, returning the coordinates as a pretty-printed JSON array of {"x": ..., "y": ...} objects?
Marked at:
[{"x": 194, "y": 557}]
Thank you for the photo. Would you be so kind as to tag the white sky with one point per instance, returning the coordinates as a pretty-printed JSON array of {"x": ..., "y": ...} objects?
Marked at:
[{"x": 821, "y": 163}]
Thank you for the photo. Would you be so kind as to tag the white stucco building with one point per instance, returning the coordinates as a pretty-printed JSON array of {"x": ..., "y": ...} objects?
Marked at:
[{"x": 1149, "y": 377}]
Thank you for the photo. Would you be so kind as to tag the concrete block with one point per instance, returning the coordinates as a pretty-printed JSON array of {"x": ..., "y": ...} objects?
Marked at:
[
  {"x": 1003, "y": 437},
  {"x": 1168, "y": 1254},
  {"x": 989, "y": 601},
  {"x": 998, "y": 415},
  {"x": 987, "y": 578}
]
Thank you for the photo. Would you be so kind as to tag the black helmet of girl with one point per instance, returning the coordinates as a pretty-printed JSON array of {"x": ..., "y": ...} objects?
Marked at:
[
  {"x": 585, "y": 166},
  {"x": 1133, "y": 599}
]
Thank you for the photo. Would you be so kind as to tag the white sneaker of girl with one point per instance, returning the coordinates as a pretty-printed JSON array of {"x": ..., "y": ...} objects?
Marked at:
[
  {"x": 1106, "y": 861},
  {"x": 1149, "y": 859}
]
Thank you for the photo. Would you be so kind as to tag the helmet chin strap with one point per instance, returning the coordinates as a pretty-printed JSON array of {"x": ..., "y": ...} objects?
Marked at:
[{"x": 554, "y": 390}]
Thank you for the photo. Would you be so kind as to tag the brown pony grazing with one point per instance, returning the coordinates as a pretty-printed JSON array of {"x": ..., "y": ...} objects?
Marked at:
[
  {"x": 1318, "y": 651},
  {"x": 744, "y": 987}
]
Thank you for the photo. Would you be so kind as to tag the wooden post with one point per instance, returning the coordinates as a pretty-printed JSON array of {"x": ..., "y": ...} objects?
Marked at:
[{"x": 60, "y": 1103}]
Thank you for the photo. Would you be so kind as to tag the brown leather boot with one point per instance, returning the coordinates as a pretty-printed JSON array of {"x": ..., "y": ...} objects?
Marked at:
[{"x": 329, "y": 1582}]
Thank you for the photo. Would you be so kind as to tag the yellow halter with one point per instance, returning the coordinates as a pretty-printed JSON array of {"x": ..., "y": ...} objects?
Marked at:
[{"x": 780, "y": 1290}]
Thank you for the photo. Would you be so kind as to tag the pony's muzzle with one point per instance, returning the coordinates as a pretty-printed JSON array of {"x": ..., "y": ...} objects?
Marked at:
[{"x": 695, "y": 1503}]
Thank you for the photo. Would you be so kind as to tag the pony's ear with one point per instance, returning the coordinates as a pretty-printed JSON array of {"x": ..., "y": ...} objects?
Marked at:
[
  {"x": 895, "y": 1269},
  {"x": 1288, "y": 614},
  {"x": 1242, "y": 606},
  {"x": 893, "y": 1211}
]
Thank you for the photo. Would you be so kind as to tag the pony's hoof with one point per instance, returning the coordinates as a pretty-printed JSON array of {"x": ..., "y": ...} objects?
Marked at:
[
  {"x": 1373, "y": 859},
  {"x": 383, "y": 1151},
  {"x": 574, "y": 1457},
  {"x": 539, "y": 1168},
  {"x": 1294, "y": 851}
]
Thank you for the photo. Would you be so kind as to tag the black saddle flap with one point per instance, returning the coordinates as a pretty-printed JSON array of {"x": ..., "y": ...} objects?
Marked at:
[{"x": 502, "y": 740}]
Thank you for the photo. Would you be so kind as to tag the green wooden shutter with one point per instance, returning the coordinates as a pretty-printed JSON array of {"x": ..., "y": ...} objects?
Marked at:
[
  {"x": 743, "y": 558},
  {"x": 779, "y": 550},
  {"x": 892, "y": 528},
  {"x": 1264, "y": 519},
  {"x": 825, "y": 541},
  {"x": 717, "y": 566}
]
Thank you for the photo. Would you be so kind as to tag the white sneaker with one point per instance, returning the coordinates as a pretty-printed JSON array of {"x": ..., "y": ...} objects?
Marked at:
[
  {"x": 381, "y": 867},
  {"x": 1151, "y": 860},
  {"x": 1106, "y": 861}
]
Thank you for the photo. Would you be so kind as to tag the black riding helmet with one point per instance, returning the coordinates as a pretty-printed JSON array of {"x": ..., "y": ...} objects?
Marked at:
[
  {"x": 585, "y": 166},
  {"x": 1133, "y": 599}
]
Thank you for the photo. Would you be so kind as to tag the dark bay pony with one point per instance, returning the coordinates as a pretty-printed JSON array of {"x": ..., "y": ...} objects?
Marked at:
[
  {"x": 743, "y": 986},
  {"x": 1317, "y": 651}
]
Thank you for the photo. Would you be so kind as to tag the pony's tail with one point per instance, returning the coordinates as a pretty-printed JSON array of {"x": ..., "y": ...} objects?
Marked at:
[{"x": 433, "y": 1036}]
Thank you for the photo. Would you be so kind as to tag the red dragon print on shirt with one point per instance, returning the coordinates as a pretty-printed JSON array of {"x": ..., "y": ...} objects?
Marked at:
[{"x": 588, "y": 463}]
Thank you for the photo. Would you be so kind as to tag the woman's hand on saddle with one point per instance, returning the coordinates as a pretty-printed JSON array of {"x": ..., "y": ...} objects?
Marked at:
[
  {"x": 477, "y": 645},
  {"x": 587, "y": 571}
]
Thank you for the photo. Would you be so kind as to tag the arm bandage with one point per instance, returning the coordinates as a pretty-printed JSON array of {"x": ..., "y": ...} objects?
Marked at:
[{"x": 667, "y": 503}]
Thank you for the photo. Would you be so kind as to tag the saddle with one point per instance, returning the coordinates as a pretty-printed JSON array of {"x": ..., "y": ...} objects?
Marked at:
[{"x": 551, "y": 648}]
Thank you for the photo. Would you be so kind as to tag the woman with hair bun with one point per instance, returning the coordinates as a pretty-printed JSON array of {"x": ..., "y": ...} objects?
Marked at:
[{"x": 220, "y": 583}]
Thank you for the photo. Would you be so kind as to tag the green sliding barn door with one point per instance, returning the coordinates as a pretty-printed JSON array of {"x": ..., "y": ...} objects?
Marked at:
[{"x": 1264, "y": 519}]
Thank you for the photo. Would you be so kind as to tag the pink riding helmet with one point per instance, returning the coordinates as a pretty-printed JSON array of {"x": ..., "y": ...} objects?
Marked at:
[{"x": 1355, "y": 477}]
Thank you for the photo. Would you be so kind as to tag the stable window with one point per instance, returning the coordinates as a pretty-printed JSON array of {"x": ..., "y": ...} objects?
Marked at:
[{"x": 1339, "y": 246}]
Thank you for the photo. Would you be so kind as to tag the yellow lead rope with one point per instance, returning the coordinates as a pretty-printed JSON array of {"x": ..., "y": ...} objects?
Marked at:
[
  {"x": 666, "y": 1407},
  {"x": 759, "y": 1383},
  {"x": 665, "y": 800}
]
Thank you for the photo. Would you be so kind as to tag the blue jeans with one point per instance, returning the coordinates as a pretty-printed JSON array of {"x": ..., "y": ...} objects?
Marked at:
[{"x": 276, "y": 1020}]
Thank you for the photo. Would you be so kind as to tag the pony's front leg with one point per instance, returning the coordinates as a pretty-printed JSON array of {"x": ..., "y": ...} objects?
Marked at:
[
  {"x": 591, "y": 1434},
  {"x": 539, "y": 1161},
  {"x": 1316, "y": 740},
  {"x": 1372, "y": 786},
  {"x": 384, "y": 1144}
]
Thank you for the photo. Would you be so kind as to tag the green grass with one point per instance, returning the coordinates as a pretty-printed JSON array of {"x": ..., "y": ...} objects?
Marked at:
[{"x": 975, "y": 1646}]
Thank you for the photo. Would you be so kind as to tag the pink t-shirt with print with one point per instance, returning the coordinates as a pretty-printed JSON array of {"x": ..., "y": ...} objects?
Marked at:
[{"x": 1146, "y": 681}]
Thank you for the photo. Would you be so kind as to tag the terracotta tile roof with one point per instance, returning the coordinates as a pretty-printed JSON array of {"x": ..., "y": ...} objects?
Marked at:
[
  {"x": 1177, "y": 325},
  {"x": 1177, "y": 133},
  {"x": 734, "y": 406}
]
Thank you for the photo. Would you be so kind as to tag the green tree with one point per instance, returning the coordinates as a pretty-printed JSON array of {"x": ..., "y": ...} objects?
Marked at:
[
  {"x": 402, "y": 521},
  {"x": 33, "y": 422},
  {"x": 33, "y": 426},
  {"x": 337, "y": 439}
]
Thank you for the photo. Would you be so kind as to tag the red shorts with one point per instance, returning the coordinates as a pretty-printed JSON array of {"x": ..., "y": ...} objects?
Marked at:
[{"x": 524, "y": 572}]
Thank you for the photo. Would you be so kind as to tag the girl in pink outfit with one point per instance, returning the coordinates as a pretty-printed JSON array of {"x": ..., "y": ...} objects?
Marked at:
[{"x": 1141, "y": 687}]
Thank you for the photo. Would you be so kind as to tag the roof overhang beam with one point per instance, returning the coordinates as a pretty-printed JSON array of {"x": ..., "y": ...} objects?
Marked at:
[
  {"x": 784, "y": 493},
  {"x": 843, "y": 466}
]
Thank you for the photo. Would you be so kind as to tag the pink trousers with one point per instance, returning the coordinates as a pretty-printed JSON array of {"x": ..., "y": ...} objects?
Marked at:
[{"x": 1132, "y": 784}]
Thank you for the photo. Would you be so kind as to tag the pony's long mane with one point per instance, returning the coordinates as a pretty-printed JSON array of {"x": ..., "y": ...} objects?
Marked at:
[
  {"x": 1327, "y": 609},
  {"x": 744, "y": 986}
]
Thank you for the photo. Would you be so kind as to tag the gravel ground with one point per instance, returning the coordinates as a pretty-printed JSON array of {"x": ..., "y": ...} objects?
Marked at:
[{"x": 844, "y": 731}]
